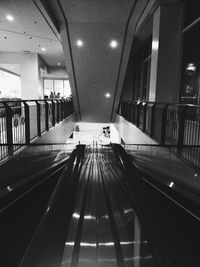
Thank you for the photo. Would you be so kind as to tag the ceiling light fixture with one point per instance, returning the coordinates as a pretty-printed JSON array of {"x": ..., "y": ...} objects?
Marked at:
[
  {"x": 10, "y": 18},
  {"x": 107, "y": 95},
  {"x": 113, "y": 44},
  {"x": 79, "y": 43},
  {"x": 43, "y": 49}
]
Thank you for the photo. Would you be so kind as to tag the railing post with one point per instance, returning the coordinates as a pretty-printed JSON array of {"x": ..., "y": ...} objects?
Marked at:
[
  {"x": 9, "y": 132},
  {"x": 53, "y": 113},
  {"x": 119, "y": 109},
  {"x": 122, "y": 109},
  {"x": 62, "y": 117},
  {"x": 65, "y": 108},
  {"x": 46, "y": 115},
  {"x": 164, "y": 124},
  {"x": 38, "y": 118},
  {"x": 144, "y": 117},
  {"x": 152, "y": 118},
  {"x": 27, "y": 122},
  {"x": 181, "y": 128},
  {"x": 58, "y": 111},
  {"x": 138, "y": 115},
  {"x": 71, "y": 107},
  {"x": 131, "y": 112}
]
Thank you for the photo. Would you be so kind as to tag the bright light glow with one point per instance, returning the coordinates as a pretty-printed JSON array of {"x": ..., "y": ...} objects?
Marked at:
[
  {"x": 10, "y": 18},
  {"x": 191, "y": 67},
  {"x": 89, "y": 217},
  {"x": 71, "y": 244},
  {"x": 195, "y": 175},
  {"x": 107, "y": 244},
  {"x": 76, "y": 215},
  {"x": 43, "y": 49},
  {"x": 128, "y": 211},
  {"x": 107, "y": 95},
  {"x": 155, "y": 45},
  {"x": 113, "y": 44},
  {"x": 171, "y": 184},
  {"x": 58, "y": 63},
  {"x": 83, "y": 244},
  {"x": 86, "y": 217},
  {"x": 9, "y": 189},
  {"x": 79, "y": 43}
]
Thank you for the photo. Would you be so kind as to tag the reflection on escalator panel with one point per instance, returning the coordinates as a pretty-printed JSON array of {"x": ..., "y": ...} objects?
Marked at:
[{"x": 104, "y": 229}]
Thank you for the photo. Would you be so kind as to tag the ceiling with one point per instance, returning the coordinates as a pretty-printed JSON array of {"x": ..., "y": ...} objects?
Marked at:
[
  {"x": 12, "y": 68},
  {"x": 29, "y": 31},
  {"x": 93, "y": 69}
]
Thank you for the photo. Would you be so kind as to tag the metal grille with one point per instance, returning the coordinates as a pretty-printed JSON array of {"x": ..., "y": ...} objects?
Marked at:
[
  {"x": 3, "y": 133},
  {"x": 18, "y": 125},
  {"x": 22, "y": 121},
  {"x": 172, "y": 126}
]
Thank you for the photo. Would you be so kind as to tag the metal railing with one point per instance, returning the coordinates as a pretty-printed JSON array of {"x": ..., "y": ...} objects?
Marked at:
[
  {"x": 169, "y": 124},
  {"x": 22, "y": 121}
]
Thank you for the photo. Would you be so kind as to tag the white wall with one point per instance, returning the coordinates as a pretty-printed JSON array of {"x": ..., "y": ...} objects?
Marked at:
[
  {"x": 130, "y": 133},
  {"x": 31, "y": 80}
]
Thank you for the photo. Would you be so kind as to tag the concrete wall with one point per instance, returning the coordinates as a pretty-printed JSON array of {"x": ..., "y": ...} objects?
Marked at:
[{"x": 130, "y": 133}]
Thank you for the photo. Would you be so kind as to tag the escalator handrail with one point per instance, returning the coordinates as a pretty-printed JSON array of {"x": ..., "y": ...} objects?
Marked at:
[
  {"x": 187, "y": 196},
  {"x": 144, "y": 212},
  {"x": 47, "y": 244}
]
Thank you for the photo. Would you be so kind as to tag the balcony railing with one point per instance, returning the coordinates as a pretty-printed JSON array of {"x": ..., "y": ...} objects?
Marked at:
[
  {"x": 22, "y": 121},
  {"x": 169, "y": 124}
]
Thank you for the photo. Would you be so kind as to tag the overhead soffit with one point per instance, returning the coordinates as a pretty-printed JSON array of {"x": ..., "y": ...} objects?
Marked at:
[
  {"x": 96, "y": 65},
  {"x": 12, "y": 68},
  {"x": 95, "y": 11},
  {"x": 28, "y": 32}
]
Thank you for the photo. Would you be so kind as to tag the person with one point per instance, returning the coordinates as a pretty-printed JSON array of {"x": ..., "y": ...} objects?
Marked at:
[
  {"x": 51, "y": 95},
  {"x": 58, "y": 95}
]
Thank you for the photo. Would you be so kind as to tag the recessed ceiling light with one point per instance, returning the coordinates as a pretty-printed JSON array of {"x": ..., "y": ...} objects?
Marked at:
[
  {"x": 79, "y": 43},
  {"x": 113, "y": 44},
  {"x": 10, "y": 18},
  {"x": 58, "y": 63},
  {"x": 107, "y": 95},
  {"x": 43, "y": 49}
]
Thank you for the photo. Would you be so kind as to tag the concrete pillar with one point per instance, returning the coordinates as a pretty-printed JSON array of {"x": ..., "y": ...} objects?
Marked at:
[
  {"x": 30, "y": 77},
  {"x": 166, "y": 53}
]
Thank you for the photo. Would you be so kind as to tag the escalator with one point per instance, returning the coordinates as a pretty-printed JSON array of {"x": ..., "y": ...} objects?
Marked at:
[{"x": 103, "y": 212}]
